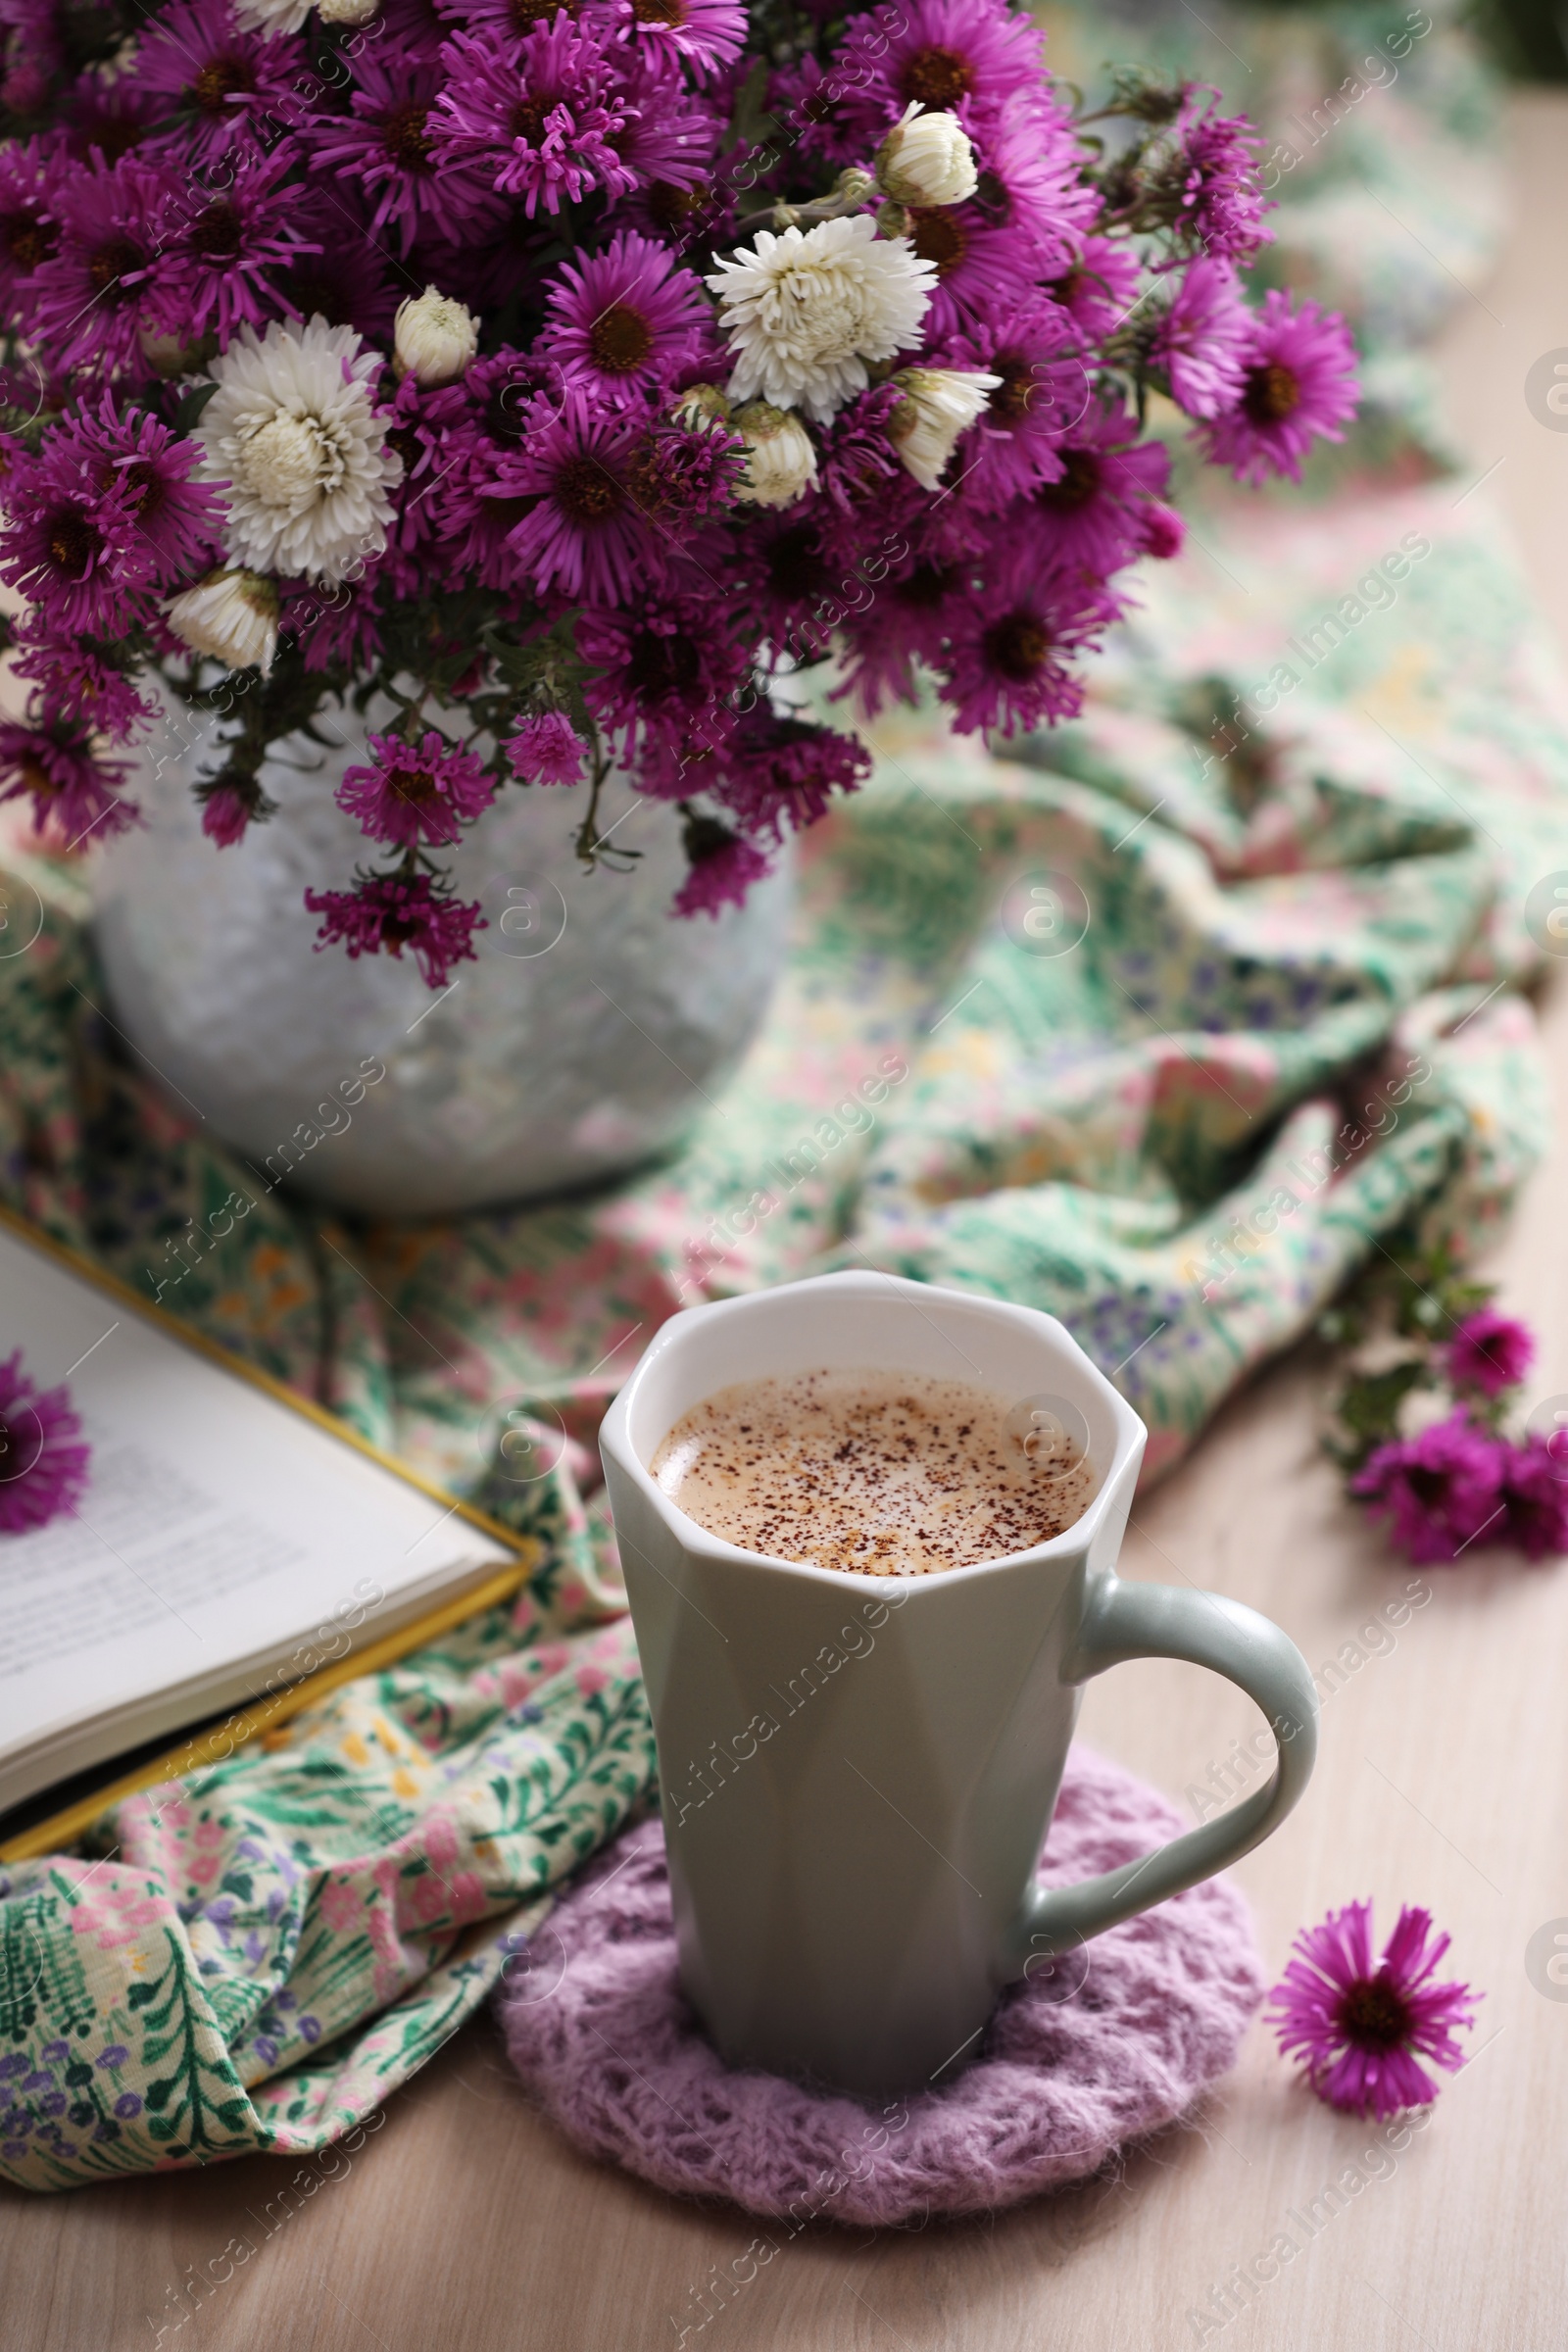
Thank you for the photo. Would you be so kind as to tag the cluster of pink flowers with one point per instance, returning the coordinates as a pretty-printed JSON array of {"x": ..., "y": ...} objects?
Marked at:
[
  {"x": 567, "y": 371},
  {"x": 1462, "y": 1480}
]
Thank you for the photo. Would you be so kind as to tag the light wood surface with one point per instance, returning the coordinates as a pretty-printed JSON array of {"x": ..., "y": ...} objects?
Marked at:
[{"x": 463, "y": 2222}]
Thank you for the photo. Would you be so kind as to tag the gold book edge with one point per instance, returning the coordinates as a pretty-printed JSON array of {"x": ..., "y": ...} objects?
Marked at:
[
  {"x": 224, "y": 1740},
  {"x": 246, "y": 1723}
]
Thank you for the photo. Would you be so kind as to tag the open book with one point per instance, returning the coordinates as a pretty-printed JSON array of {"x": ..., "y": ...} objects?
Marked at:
[{"x": 230, "y": 1541}]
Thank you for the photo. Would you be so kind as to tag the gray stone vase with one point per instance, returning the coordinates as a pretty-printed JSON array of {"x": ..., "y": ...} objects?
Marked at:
[{"x": 591, "y": 1032}]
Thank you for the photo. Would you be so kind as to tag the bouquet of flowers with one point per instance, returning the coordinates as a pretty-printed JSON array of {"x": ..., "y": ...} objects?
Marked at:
[{"x": 550, "y": 378}]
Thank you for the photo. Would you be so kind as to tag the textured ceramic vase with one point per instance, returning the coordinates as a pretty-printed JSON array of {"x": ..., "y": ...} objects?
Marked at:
[{"x": 590, "y": 1033}]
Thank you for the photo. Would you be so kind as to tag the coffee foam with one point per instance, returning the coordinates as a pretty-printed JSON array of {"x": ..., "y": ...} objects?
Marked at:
[{"x": 871, "y": 1472}]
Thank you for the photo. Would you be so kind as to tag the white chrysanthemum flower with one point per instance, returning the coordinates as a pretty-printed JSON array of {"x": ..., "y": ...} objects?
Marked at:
[
  {"x": 434, "y": 338},
  {"x": 231, "y": 617},
  {"x": 272, "y": 16},
  {"x": 926, "y": 160},
  {"x": 780, "y": 459},
  {"x": 939, "y": 404},
  {"x": 292, "y": 435},
  {"x": 804, "y": 313}
]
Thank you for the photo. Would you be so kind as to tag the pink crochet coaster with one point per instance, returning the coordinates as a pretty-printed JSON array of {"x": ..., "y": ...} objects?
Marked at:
[{"x": 1122, "y": 2040}]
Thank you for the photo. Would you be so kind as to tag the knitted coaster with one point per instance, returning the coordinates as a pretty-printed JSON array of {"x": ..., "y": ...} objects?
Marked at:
[{"x": 1118, "y": 2043}]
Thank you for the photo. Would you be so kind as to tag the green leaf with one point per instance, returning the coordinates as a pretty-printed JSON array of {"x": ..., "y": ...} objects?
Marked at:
[{"x": 188, "y": 413}]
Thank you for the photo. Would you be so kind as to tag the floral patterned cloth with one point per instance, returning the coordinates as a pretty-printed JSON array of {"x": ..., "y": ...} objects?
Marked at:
[{"x": 1161, "y": 1026}]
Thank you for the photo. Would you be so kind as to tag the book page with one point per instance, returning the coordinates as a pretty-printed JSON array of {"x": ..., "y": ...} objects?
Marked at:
[{"x": 218, "y": 1531}]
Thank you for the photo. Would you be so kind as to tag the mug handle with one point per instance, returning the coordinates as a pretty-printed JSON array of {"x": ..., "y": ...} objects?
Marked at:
[{"x": 1163, "y": 1621}]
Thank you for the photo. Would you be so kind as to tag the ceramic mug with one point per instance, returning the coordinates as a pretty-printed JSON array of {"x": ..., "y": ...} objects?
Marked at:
[{"x": 858, "y": 1772}]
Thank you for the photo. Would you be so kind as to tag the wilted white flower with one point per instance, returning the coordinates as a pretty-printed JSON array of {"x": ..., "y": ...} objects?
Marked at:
[
  {"x": 434, "y": 338},
  {"x": 231, "y": 617},
  {"x": 780, "y": 460},
  {"x": 292, "y": 434},
  {"x": 938, "y": 405},
  {"x": 926, "y": 158},
  {"x": 805, "y": 311}
]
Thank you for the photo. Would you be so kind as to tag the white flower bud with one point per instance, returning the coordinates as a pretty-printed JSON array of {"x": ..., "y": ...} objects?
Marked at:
[
  {"x": 780, "y": 459},
  {"x": 926, "y": 160},
  {"x": 433, "y": 339},
  {"x": 938, "y": 405},
  {"x": 231, "y": 617}
]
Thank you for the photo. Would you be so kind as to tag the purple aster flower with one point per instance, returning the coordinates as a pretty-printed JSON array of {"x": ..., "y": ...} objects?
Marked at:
[
  {"x": 1361, "y": 2030},
  {"x": 1099, "y": 290},
  {"x": 979, "y": 266},
  {"x": 625, "y": 318},
  {"x": 71, "y": 675},
  {"x": 1210, "y": 186},
  {"x": 546, "y": 750},
  {"x": 344, "y": 272},
  {"x": 1007, "y": 667},
  {"x": 722, "y": 869},
  {"x": 217, "y": 76},
  {"x": 940, "y": 54},
  {"x": 178, "y": 521},
  {"x": 1091, "y": 512},
  {"x": 424, "y": 792},
  {"x": 1439, "y": 1491},
  {"x": 664, "y": 665},
  {"x": 228, "y": 812},
  {"x": 910, "y": 620},
  {"x": 1490, "y": 1351},
  {"x": 685, "y": 466},
  {"x": 84, "y": 304},
  {"x": 393, "y": 143},
  {"x": 388, "y": 913},
  {"x": 539, "y": 118},
  {"x": 1202, "y": 337},
  {"x": 1031, "y": 175},
  {"x": 783, "y": 772},
  {"x": 581, "y": 531},
  {"x": 701, "y": 34},
  {"x": 70, "y": 542},
  {"x": 111, "y": 114},
  {"x": 73, "y": 793},
  {"x": 1298, "y": 385},
  {"x": 29, "y": 235},
  {"x": 223, "y": 243},
  {"x": 1535, "y": 1501},
  {"x": 1045, "y": 393},
  {"x": 669, "y": 141},
  {"x": 43, "y": 1461}
]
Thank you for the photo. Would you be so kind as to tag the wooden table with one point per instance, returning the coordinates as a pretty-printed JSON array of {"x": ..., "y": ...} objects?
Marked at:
[{"x": 465, "y": 2222}]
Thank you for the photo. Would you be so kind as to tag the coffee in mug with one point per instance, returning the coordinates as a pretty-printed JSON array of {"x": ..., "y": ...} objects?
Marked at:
[{"x": 874, "y": 1472}]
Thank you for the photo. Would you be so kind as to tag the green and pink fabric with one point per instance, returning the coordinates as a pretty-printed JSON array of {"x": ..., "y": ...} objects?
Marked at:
[{"x": 1283, "y": 868}]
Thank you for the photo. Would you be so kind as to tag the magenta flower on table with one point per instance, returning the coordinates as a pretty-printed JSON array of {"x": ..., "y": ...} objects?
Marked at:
[
  {"x": 417, "y": 793},
  {"x": 1365, "y": 2032},
  {"x": 385, "y": 913},
  {"x": 1439, "y": 1490},
  {"x": 1490, "y": 1351},
  {"x": 44, "y": 1461},
  {"x": 546, "y": 750},
  {"x": 1535, "y": 1501},
  {"x": 1299, "y": 386},
  {"x": 1202, "y": 339},
  {"x": 73, "y": 793}
]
